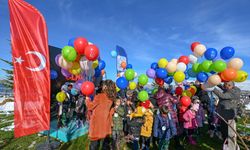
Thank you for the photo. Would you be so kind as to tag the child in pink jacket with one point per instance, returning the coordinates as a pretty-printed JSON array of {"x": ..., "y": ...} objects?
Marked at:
[{"x": 190, "y": 124}]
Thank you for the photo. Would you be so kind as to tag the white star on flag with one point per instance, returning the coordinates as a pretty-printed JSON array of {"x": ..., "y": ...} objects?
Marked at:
[{"x": 19, "y": 60}]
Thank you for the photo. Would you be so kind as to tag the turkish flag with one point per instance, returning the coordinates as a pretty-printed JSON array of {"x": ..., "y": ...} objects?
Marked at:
[{"x": 30, "y": 55}]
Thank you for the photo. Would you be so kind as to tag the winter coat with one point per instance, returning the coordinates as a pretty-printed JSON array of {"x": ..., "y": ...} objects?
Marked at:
[
  {"x": 190, "y": 120},
  {"x": 200, "y": 116},
  {"x": 135, "y": 125},
  {"x": 118, "y": 118},
  {"x": 146, "y": 129},
  {"x": 101, "y": 116},
  {"x": 168, "y": 100},
  {"x": 164, "y": 127}
]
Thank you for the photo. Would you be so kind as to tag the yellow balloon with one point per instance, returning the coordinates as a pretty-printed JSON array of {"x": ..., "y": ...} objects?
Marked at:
[
  {"x": 241, "y": 76},
  {"x": 95, "y": 64},
  {"x": 75, "y": 69},
  {"x": 162, "y": 63},
  {"x": 179, "y": 76},
  {"x": 132, "y": 85},
  {"x": 60, "y": 97},
  {"x": 117, "y": 89},
  {"x": 187, "y": 93}
]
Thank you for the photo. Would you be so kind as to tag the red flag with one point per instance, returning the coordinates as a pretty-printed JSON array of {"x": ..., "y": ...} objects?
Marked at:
[{"x": 30, "y": 56}]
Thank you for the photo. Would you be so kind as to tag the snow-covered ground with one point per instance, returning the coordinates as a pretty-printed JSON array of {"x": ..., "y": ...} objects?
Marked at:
[{"x": 9, "y": 106}]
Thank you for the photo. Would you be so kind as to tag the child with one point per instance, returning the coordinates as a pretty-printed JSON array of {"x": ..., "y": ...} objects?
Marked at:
[
  {"x": 129, "y": 108},
  {"x": 164, "y": 127},
  {"x": 200, "y": 115},
  {"x": 135, "y": 123},
  {"x": 117, "y": 128},
  {"x": 190, "y": 124}
]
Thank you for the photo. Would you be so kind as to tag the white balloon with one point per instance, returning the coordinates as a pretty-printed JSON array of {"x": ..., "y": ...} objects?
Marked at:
[
  {"x": 199, "y": 50},
  {"x": 192, "y": 59},
  {"x": 181, "y": 66},
  {"x": 135, "y": 75},
  {"x": 85, "y": 64},
  {"x": 122, "y": 74}
]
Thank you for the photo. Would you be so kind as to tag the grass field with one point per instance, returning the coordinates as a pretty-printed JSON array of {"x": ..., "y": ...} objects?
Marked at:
[{"x": 8, "y": 142}]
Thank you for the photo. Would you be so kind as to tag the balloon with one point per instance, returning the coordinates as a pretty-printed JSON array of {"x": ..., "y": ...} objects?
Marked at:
[
  {"x": 95, "y": 64},
  {"x": 195, "y": 67},
  {"x": 98, "y": 72},
  {"x": 88, "y": 88},
  {"x": 161, "y": 73},
  {"x": 143, "y": 96},
  {"x": 227, "y": 53},
  {"x": 135, "y": 74},
  {"x": 192, "y": 59},
  {"x": 151, "y": 73},
  {"x": 162, "y": 63},
  {"x": 154, "y": 66},
  {"x": 143, "y": 79},
  {"x": 205, "y": 65},
  {"x": 154, "y": 91},
  {"x": 193, "y": 87},
  {"x": 132, "y": 85},
  {"x": 191, "y": 73},
  {"x": 229, "y": 74},
  {"x": 91, "y": 52},
  {"x": 194, "y": 44},
  {"x": 178, "y": 90},
  {"x": 171, "y": 67},
  {"x": 57, "y": 59},
  {"x": 186, "y": 76},
  {"x": 184, "y": 59},
  {"x": 183, "y": 109},
  {"x": 80, "y": 44},
  {"x": 241, "y": 76},
  {"x": 207, "y": 87},
  {"x": 214, "y": 80},
  {"x": 129, "y": 66},
  {"x": 210, "y": 54},
  {"x": 185, "y": 101},
  {"x": 179, "y": 76},
  {"x": 192, "y": 91},
  {"x": 168, "y": 80},
  {"x": 64, "y": 64},
  {"x": 75, "y": 69},
  {"x": 123, "y": 65},
  {"x": 53, "y": 74},
  {"x": 175, "y": 61},
  {"x": 71, "y": 42},
  {"x": 181, "y": 67},
  {"x": 113, "y": 53},
  {"x": 219, "y": 66},
  {"x": 159, "y": 81},
  {"x": 202, "y": 77},
  {"x": 129, "y": 74},
  {"x": 65, "y": 73},
  {"x": 199, "y": 50},
  {"x": 122, "y": 83},
  {"x": 171, "y": 74},
  {"x": 187, "y": 93},
  {"x": 101, "y": 64},
  {"x": 117, "y": 89},
  {"x": 235, "y": 63},
  {"x": 78, "y": 84},
  {"x": 60, "y": 97},
  {"x": 69, "y": 53},
  {"x": 74, "y": 91}
]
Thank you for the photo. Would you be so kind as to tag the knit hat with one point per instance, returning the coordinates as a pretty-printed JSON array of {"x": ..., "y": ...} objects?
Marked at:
[{"x": 146, "y": 104}]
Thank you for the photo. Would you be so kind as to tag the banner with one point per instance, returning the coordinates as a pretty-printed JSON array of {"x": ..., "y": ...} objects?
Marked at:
[
  {"x": 121, "y": 57},
  {"x": 30, "y": 54}
]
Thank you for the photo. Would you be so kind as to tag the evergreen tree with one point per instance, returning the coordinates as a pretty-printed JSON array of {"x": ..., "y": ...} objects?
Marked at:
[{"x": 8, "y": 81}]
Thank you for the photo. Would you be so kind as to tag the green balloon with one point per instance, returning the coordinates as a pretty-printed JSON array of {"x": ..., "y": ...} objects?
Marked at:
[
  {"x": 130, "y": 74},
  {"x": 69, "y": 53},
  {"x": 143, "y": 79},
  {"x": 153, "y": 92},
  {"x": 143, "y": 96},
  {"x": 219, "y": 66},
  {"x": 171, "y": 74},
  {"x": 195, "y": 67},
  {"x": 205, "y": 65}
]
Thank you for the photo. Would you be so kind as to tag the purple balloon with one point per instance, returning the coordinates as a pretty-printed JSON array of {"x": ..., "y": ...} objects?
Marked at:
[
  {"x": 65, "y": 73},
  {"x": 151, "y": 73},
  {"x": 57, "y": 59},
  {"x": 78, "y": 84}
]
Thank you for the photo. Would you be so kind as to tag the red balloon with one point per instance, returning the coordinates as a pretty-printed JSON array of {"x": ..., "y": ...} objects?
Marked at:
[
  {"x": 229, "y": 74},
  {"x": 88, "y": 88},
  {"x": 91, "y": 52},
  {"x": 183, "y": 109},
  {"x": 185, "y": 101},
  {"x": 222, "y": 78},
  {"x": 192, "y": 90},
  {"x": 159, "y": 81},
  {"x": 184, "y": 59},
  {"x": 178, "y": 91},
  {"x": 194, "y": 44},
  {"x": 80, "y": 44}
]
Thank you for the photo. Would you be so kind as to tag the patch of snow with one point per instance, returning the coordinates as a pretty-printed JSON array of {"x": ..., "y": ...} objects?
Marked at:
[
  {"x": 8, "y": 128},
  {"x": 9, "y": 106}
]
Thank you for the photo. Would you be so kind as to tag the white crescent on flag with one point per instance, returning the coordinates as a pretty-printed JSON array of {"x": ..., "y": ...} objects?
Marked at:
[{"x": 42, "y": 61}]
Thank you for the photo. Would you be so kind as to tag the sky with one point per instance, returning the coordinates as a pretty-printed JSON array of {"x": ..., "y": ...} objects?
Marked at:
[{"x": 147, "y": 29}]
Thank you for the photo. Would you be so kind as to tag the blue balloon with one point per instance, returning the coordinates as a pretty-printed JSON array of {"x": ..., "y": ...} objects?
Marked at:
[
  {"x": 186, "y": 87},
  {"x": 154, "y": 66},
  {"x": 210, "y": 53},
  {"x": 191, "y": 73},
  {"x": 74, "y": 91},
  {"x": 122, "y": 83},
  {"x": 53, "y": 74},
  {"x": 227, "y": 53},
  {"x": 129, "y": 66},
  {"x": 71, "y": 42},
  {"x": 113, "y": 53},
  {"x": 101, "y": 64},
  {"x": 186, "y": 76},
  {"x": 168, "y": 80},
  {"x": 202, "y": 77},
  {"x": 161, "y": 73},
  {"x": 98, "y": 72},
  {"x": 213, "y": 72}
]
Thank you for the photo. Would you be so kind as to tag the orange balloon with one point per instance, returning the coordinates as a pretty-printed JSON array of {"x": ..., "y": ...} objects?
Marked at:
[
  {"x": 192, "y": 90},
  {"x": 229, "y": 74},
  {"x": 103, "y": 72},
  {"x": 123, "y": 65}
]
